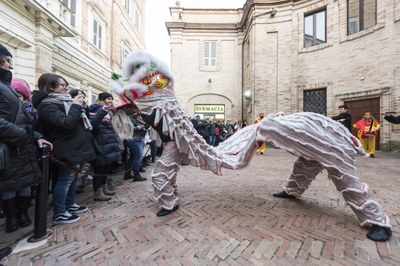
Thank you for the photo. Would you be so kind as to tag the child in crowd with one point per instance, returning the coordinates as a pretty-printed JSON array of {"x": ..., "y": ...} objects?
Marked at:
[{"x": 106, "y": 139}]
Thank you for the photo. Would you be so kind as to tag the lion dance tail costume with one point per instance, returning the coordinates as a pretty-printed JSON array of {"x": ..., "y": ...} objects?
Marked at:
[{"x": 319, "y": 142}]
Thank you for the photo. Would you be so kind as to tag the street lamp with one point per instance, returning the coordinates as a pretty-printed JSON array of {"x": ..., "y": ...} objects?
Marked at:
[
  {"x": 247, "y": 94},
  {"x": 272, "y": 13}
]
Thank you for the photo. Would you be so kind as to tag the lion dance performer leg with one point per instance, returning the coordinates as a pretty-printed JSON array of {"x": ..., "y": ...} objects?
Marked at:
[
  {"x": 148, "y": 87},
  {"x": 321, "y": 143}
]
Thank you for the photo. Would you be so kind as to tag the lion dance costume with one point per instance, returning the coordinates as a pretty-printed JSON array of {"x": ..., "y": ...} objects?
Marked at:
[{"x": 318, "y": 141}]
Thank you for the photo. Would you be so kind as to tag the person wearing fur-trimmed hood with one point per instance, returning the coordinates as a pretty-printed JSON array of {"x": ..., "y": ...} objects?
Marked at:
[{"x": 19, "y": 168}]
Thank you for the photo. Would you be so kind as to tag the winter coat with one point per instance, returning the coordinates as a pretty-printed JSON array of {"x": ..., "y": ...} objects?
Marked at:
[
  {"x": 104, "y": 135},
  {"x": 393, "y": 119},
  {"x": 139, "y": 129},
  {"x": 346, "y": 122},
  {"x": 72, "y": 143},
  {"x": 16, "y": 131},
  {"x": 211, "y": 130},
  {"x": 217, "y": 131}
]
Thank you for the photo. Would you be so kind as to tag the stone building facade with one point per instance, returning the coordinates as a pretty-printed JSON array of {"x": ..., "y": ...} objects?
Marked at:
[
  {"x": 291, "y": 56},
  {"x": 80, "y": 40}
]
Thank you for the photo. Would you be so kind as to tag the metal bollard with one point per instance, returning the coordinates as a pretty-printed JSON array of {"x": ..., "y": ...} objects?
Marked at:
[{"x": 40, "y": 224}]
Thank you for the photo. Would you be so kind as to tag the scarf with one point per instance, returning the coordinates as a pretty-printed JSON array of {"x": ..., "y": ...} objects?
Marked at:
[
  {"x": 66, "y": 99},
  {"x": 30, "y": 110}
]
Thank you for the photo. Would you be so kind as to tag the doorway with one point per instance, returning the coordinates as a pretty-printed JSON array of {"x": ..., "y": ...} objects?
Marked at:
[{"x": 358, "y": 108}]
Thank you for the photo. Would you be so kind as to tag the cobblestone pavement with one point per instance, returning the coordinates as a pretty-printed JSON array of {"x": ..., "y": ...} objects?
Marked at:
[{"x": 226, "y": 220}]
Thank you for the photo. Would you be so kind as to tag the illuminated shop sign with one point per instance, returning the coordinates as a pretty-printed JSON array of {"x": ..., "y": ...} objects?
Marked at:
[{"x": 209, "y": 108}]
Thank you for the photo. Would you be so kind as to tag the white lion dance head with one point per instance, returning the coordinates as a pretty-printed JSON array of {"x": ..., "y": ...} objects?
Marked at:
[{"x": 143, "y": 75}]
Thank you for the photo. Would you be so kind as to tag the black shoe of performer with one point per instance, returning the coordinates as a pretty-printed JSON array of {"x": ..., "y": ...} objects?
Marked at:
[
  {"x": 164, "y": 212},
  {"x": 379, "y": 233},
  {"x": 371, "y": 156},
  {"x": 4, "y": 252},
  {"x": 283, "y": 194}
]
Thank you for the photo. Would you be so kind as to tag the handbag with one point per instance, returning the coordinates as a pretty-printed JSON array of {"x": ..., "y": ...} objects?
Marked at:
[{"x": 4, "y": 156}]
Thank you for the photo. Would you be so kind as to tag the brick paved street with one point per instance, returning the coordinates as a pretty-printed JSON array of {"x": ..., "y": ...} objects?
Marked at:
[{"x": 226, "y": 220}]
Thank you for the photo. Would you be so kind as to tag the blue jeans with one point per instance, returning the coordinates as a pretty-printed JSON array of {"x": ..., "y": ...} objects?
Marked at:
[
  {"x": 141, "y": 146},
  {"x": 25, "y": 192},
  {"x": 211, "y": 140},
  {"x": 135, "y": 148},
  {"x": 64, "y": 191}
]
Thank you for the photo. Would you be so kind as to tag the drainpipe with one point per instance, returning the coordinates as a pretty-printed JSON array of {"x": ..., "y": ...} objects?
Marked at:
[{"x": 112, "y": 35}]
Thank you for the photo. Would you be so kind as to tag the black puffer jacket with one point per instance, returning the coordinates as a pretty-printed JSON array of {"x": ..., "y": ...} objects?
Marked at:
[
  {"x": 104, "y": 134},
  {"x": 16, "y": 130},
  {"x": 72, "y": 143}
]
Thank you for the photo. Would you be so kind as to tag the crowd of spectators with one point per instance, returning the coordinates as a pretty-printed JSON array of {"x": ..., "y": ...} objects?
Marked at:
[
  {"x": 216, "y": 131},
  {"x": 82, "y": 140}
]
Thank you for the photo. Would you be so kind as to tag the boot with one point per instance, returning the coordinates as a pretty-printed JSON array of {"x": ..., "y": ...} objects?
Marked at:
[
  {"x": 283, "y": 194},
  {"x": 128, "y": 175},
  {"x": 138, "y": 177},
  {"x": 379, "y": 233},
  {"x": 10, "y": 209},
  {"x": 23, "y": 204},
  {"x": 111, "y": 185},
  {"x": 106, "y": 191},
  {"x": 99, "y": 195},
  {"x": 164, "y": 212},
  {"x": 4, "y": 252}
]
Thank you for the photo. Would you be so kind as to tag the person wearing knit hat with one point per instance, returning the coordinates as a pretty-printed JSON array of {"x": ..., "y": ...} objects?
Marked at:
[
  {"x": 107, "y": 100},
  {"x": 108, "y": 145},
  {"x": 21, "y": 88},
  {"x": 4, "y": 52},
  {"x": 23, "y": 91},
  {"x": 6, "y": 64},
  {"x": 104, "y": 95},
  {"x": 19, "y": 169}
]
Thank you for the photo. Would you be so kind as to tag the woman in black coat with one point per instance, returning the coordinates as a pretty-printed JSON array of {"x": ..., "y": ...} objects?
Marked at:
[
  {"x": 106, "y": 139},
  {"x": 63, "y": 121},
  {"x": 16, "y": 132}
]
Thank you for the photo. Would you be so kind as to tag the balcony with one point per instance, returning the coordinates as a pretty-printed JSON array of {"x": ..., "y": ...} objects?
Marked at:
[{"x": 51, "y": 13}]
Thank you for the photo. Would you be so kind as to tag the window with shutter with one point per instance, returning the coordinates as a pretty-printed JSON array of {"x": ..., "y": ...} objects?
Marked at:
[
  {"x": 210, "y": 54},
  {"x": 137, "y": 18},
  {"x": 97, "y": 34},
  {"x": 71, "y": 5},
  {"x": 94, "y": 32}
]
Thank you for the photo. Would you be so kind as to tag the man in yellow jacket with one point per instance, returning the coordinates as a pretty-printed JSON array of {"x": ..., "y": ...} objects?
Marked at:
[{"x": 367, "y": 129}]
